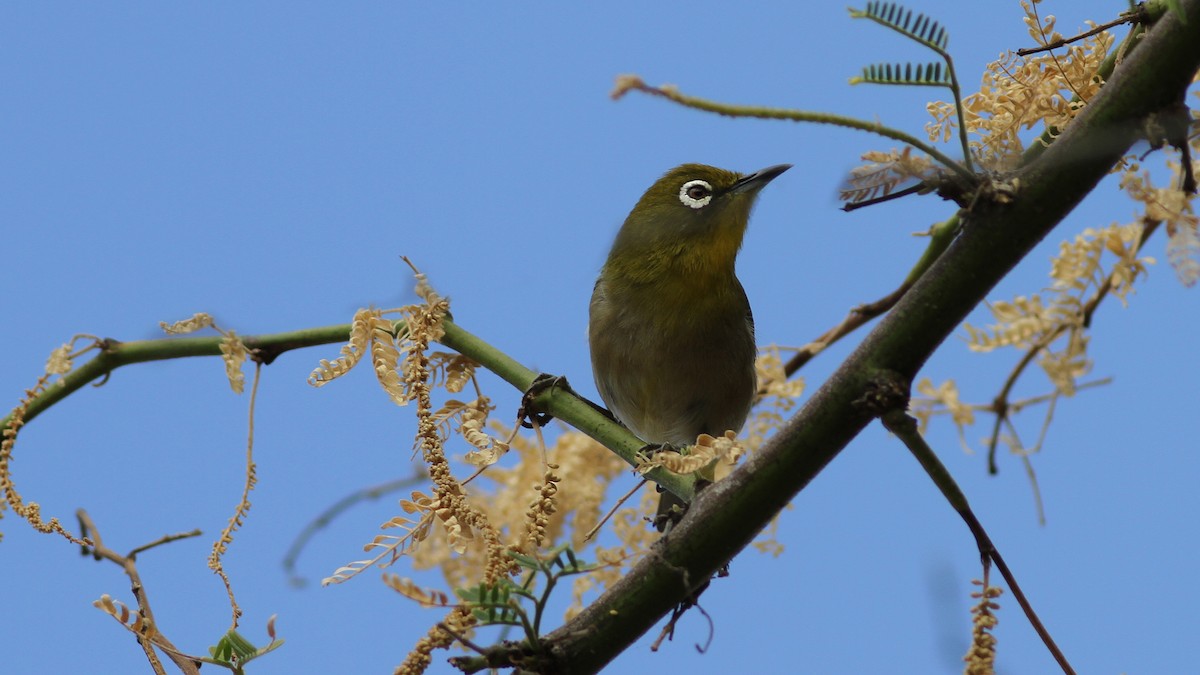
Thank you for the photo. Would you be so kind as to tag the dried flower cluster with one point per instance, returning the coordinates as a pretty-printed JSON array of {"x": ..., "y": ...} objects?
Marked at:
[
  {"x": 62, "y": 360},
  {"x": 537, "y": 517},
  {"x": 464, "y": 531},
  {"x": 943, "y": 399},
  {"x": 31, "y": 512},
  {"x": 233, "y": 354},
  {"x": 981, "y": 657},
  {"x": 1173, "y": 208},
  {"x": 1051, "y": 327},
  {"x": 708, "y": 449},
  {"x": 1017, "y": 93},
  {"x": 464, "y": 528},
  {"x": 459, "y": 620},
  {"x": 233, "y": 350},
  {"x": 1020, "y": 92},
  {"x": 1062, "y": 313},
  {"x": 884, "y": 171}
]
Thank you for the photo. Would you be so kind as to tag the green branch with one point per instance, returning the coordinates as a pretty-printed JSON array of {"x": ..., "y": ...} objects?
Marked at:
[
  {"x": 558, "y": 400},
  {"x": 114, "y": 354},
  {"x": 628, "y": 83}
]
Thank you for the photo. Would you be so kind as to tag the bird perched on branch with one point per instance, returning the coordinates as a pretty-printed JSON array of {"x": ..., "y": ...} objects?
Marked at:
[{"x": 670, "y": 329}]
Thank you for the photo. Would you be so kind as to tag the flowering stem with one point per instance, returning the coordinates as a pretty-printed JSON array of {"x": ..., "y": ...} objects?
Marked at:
[{"x": 904, "y": 427}]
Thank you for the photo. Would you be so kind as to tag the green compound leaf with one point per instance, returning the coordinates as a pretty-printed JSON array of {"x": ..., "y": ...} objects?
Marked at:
[
  {"x": 920, "y": 74},
  {"x": 919, "y": 28}
]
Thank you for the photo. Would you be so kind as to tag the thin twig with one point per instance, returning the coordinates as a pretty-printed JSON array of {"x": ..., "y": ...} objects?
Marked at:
[
  {"x": 854, "y": 206},
  {"x": 462, "y": 639},
  {"x": 221, "y": 545},
  {"x": 1057, "y": 63},
  {"x": 627, "y": 83},
  {"x": 1136, "y": 16},
  {"x": 1018, "y": 406},
  {"x": 331, "y": 513},
  {"x": 165, "y": 539},
  {"x": 592, "y": 532},
  {"x": 155, "y": 637},
  {"x": 904, "y": 427},
  {"x": 1017, "y": 447},
  {"x": 711, "y": 631},
  {"x": 857, "y": 317},
  {"x": 940, "y": 236}
]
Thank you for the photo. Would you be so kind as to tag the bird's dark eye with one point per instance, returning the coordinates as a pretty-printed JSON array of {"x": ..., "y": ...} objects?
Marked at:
[{"x": 695, "y": 194}]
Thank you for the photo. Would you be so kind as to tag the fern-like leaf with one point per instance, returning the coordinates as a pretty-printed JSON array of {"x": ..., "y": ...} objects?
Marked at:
[
  {"x": 920, "y": 74},
  {"x": 921, "y": 28},
  {"x": 925, "y": 31}
]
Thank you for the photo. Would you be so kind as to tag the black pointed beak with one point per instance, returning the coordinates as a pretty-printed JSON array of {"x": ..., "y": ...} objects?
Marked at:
[{"x": 759, "y": 179}]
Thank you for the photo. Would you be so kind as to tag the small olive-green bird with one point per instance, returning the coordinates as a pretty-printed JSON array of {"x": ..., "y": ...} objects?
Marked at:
[{"x": 671, "y": 333}]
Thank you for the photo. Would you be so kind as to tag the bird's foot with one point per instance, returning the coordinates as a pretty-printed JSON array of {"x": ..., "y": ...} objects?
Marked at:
[
  {"x": 529, "y": 414},
  {"x": 648, "y": 451}
]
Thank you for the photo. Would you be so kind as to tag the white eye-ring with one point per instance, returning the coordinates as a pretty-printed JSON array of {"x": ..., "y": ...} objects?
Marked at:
[{"x": 696, "y": 193}]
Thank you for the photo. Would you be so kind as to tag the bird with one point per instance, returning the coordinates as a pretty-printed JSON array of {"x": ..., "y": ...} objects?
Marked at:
[{"x": 670, "y": 329}]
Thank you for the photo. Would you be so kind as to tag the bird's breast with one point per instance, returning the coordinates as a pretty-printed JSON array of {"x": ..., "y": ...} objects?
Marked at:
[{"x": 672, "y": 364}]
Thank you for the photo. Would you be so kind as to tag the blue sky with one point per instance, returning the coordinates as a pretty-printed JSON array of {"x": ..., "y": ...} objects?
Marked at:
[{"x": 269, "y": 164}]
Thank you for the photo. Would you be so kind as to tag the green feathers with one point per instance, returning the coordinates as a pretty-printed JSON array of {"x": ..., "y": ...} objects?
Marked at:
[{"x": 690, "y": 221}]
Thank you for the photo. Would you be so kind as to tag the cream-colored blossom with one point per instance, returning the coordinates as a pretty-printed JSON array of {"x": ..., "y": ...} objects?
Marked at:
[{"x": 1020, "y": 92}]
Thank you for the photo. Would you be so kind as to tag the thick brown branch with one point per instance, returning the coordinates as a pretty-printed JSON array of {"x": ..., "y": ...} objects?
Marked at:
[{"x": 724, "y": 518}]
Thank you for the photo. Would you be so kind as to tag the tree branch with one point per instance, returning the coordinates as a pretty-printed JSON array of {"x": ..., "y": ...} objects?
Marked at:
[
  {"x": 904, "y": 427},
  {"x": 557, "y": 399},
  {"x": 114, "y": 354},
  {"x": 128, "y": 563},
  {"x": 725, "y": 517}
]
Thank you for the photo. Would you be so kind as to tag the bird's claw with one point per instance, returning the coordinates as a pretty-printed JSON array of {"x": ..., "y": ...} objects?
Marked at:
[
  {"x": 648, "y": 451},
  {"x": 528, "y": 413}
]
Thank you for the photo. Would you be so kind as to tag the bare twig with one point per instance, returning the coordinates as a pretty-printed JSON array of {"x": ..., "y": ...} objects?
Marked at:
[
  {"x": 904, "y": 427},
  {"x": 327, "y": 516},
  {"x": 462, "y": 639},
  {"x": 153, "y": 637},
  {"x": 857, "y": 317},
  {"x": 1138, "y": 15},
  {"x": 627, "y": 83},
  {"x": 620, "y": 502},
  {"x": 912, "y": 189}
]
